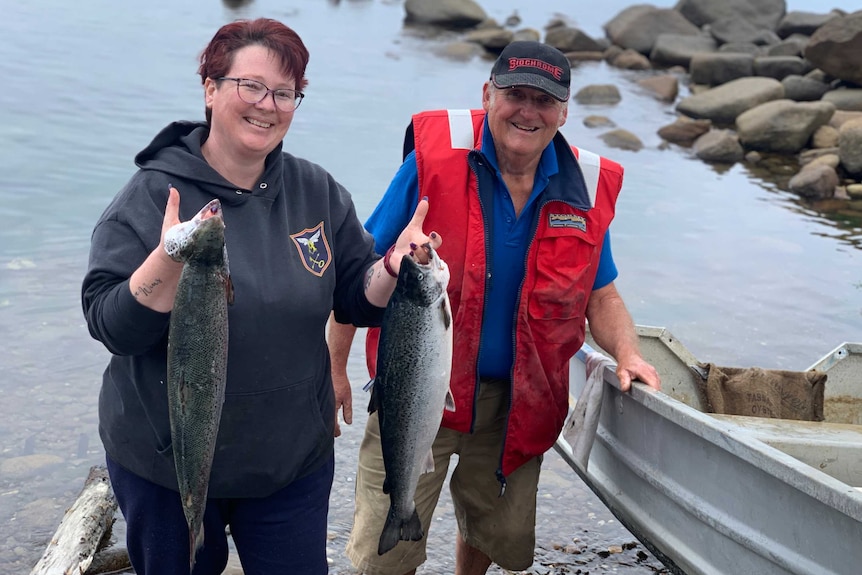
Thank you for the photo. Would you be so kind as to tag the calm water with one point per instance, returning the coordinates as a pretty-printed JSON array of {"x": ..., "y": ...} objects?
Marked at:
[{"x": 735, "y": 267}]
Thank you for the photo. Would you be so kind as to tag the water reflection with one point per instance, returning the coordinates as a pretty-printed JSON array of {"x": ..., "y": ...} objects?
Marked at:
[
  {"x": 720, "y": 168},
  {"x": 235, "y": 4},
  {"x": 772, "y": 172},
  {"x": 843, "y": 218}
]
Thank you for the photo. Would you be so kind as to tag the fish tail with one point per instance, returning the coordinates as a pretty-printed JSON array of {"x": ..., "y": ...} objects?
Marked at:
[
  {"x": 395, "y": 530},
  {"x": 196, "y": 541},
  {"x": 412, "y": 530},
  {"x": 391, "y": 533}
]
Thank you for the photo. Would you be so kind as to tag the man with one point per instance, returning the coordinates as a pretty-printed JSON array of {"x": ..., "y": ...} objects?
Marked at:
[{"x": 523, "y": 219}]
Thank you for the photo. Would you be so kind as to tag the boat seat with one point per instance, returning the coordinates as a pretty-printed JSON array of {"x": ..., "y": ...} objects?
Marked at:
[
  {"x": 834, "y": 448},
  {"x": 809, "y": 431}
]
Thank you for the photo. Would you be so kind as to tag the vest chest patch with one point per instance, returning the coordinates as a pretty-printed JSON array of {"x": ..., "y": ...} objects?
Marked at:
[
  {"x": 313, "y": 249},
  {"x": 567, "y": 221}
]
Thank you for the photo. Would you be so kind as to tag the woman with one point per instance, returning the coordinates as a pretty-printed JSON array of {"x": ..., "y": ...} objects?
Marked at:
[{"x": 297, "y": 251}]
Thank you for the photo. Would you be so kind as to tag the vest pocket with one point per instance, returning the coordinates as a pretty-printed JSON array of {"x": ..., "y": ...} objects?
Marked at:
[{"x": 560, "y": 284}]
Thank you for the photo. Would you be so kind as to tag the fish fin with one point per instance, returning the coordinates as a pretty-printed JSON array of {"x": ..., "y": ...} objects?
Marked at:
[
  {"x": 228, "y": 290},
  {"x": 386, "y": 485},
  {"x": 196, "y": 541},
  {"x": 225, "y": 273},
  {"x": 450, "y": 401},
  {"x": 374, "y": 402},
  {"x": 446, "y": 313},
  {"x": 428, "y": 464},
  {"x": 394, "y": 531},
  {"x": 182, "y": 392}
]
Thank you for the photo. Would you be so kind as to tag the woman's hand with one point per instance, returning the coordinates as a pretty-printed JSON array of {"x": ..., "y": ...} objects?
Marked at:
[
  {"x": 412, "y": 238},
  {"x": 172, "y": 216},
  {"x": 154, "y": 283},
  {"x": 380, "y": 282}
]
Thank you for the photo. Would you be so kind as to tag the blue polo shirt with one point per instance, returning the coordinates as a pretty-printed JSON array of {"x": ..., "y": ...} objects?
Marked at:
[{"x": 509, "y": 244}]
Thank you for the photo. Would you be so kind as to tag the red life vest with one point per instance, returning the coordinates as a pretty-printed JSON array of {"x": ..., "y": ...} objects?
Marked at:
[{"x": 562, "y": 260}]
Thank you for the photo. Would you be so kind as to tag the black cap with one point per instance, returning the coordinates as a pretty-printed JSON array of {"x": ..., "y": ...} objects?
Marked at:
[{"x": 535, "y": 65}]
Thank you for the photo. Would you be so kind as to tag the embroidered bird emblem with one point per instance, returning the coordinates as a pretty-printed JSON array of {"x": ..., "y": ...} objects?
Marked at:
[{"x": 310, "y": 242}]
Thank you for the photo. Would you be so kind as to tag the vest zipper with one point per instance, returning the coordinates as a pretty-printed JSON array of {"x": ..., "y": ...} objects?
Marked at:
[
  {"x": 488, "y": 278},
  {"x": 477, "y": 159}
]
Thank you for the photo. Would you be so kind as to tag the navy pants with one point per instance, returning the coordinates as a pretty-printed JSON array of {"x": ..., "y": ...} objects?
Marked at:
[{"x": 282, "y": 533}]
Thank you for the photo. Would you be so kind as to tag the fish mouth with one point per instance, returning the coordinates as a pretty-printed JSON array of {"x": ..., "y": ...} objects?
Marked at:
[
  {"x": 434, "y": 264},
  {"x": 211, "y": 210},
  {"x": 434, "y": 260}
]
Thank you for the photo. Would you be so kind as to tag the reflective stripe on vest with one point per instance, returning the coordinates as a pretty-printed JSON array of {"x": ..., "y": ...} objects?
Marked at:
[
  {"x": 591, "y": 165},
  {"x": 461, "y": 133}
]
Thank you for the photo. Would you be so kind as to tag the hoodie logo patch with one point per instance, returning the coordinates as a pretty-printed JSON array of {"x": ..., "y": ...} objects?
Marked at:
[
  {"x": 567, "y": 221},
  {"x": 313, "y": 249}
]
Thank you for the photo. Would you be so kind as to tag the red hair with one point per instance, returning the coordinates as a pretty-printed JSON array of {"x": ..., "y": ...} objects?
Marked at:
[{"x": 217, "y": 57}]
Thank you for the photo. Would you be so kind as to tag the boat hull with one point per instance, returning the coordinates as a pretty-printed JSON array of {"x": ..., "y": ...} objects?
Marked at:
[{"x": 711, "y": 495}]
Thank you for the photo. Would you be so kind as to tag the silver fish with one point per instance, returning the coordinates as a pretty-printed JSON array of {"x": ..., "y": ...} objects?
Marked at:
[
  {"x": 411, "y": 387},
  {"x": 197, "y": 357}
]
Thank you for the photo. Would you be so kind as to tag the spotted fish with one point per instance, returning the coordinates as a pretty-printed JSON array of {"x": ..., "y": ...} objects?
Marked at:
[
  {"x": 197, "y": 357},
  {"x": 411, "y": 387}
]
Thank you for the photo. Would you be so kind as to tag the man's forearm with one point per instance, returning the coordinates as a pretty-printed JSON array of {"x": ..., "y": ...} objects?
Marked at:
[{"x": 611, "y": 325}]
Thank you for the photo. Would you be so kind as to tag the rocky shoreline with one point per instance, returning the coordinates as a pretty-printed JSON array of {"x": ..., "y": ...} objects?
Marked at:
[{"x": 747, "y": 79}]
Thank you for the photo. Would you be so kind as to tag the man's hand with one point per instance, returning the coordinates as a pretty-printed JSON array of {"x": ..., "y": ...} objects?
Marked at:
[
  {"x": 636, "y": 367},
  {"x": 339, "y": 338},
  {"x": 614, "y": 331},
  {"x": 343, "y": 400}
]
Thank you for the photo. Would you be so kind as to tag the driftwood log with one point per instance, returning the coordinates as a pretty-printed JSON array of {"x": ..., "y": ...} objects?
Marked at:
[
  {"x": 71, "y": 549},
  {"x": 110, "y": 560}
]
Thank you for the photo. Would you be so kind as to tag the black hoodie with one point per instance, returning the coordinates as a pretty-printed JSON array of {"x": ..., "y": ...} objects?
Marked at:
[{"x": 296, "y": 251}]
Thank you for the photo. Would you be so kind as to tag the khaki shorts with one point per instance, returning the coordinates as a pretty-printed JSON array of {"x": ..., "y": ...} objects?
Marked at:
[{"x": 501, "y": 527}]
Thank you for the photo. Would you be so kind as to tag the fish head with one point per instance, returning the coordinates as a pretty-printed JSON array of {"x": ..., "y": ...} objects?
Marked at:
[
  {"x": 423, "y": 283},
  {"x": 200, "y": 238}
]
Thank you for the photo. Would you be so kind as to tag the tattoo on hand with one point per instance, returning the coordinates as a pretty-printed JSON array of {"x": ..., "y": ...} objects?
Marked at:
[{"x": 146, "y": 290}]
